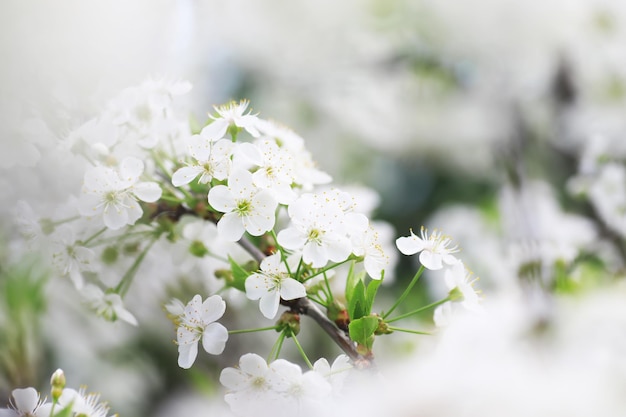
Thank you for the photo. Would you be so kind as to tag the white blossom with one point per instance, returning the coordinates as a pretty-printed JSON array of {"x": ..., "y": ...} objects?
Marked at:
[
  {"x": 212, "y": 160},
  {"x": 434, "y": 248},
  {"x": 272, "y": 284},
  {"x": 232, "y": 114},
  {"x": 107, "y": 305},
  {"x": 198, "y": 322},
  {"x": 245, "y": 206},
  {"x": 114, "y": 194},
  {"x": 318, "y": 228},
  {"x": 26, "y": 402}
]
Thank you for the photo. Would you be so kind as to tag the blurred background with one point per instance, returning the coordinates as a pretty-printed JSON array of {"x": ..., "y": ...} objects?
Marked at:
[{"x": 492, "y": 120}]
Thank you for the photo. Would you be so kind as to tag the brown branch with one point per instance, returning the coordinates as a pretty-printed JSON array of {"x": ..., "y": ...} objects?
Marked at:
[{"x": 308, "y": 308}]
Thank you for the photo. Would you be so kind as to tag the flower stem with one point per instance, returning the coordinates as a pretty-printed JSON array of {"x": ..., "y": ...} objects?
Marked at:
[
  {"x": 400, "y": 329},
  {"x": 406, "y": 292},
  {"x": 95, "y": 235},
  {"x": 128, "y": 277},
  {"x": 306, "y": 359},
  {"x": 276, "y": 348},
  {"x": 328, "y": 268},
  {"x": 262, "y": 329},
  {"x": 426, "y": 307}
]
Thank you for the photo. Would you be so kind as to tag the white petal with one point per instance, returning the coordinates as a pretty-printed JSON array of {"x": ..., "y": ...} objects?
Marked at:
[
  {"x": 230, "y": 227},
  {"x": 256, "y": 286},
  {"x": 409, "y": 245},
  {"x": 250, "y": 152},
  {"x": 213, "y": 308},
  {"x": 234, "y": 379},
  {"x": 187, "y": 355},
  {"x": 269, "y": 304},
  {"x": 130, "y": 170},
  {"x": 315, "y": 255},
  {"x": 147, "y": 191},
  {"x": 214, "y": 338},
  {"x": 253, "y": 364},
  {"x": 291, "y": 238},
  {"x": 431, "y": 260},
  {"x": 215, "y": 130},
  {"x": 221, "y": 199},
  {"x": 26, "y": 399},
  {"x": 89, "y": 205},
  {"x": 115, "y": 217},
  {"x": 185, "y": 175},
  {"x": 290, "y": 289}
]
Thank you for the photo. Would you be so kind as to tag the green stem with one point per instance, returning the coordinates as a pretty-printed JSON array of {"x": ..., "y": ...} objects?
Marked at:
[
  {"x": 262, "y": 329},
  {"x": 328, "y": 268},
  {"x": 306, "y": 359},
  {"x": 330, "y": 292},
  {"x": 95, "y": 235},
  {"x": 283, "y": 258},
  {"x": 419, "y": 310},
  {"x": 400, "y": 329},
  {"x": 276, "y": 348},
  {"x": 128, "y": 277},
  {"x": 406, "y": 292}
]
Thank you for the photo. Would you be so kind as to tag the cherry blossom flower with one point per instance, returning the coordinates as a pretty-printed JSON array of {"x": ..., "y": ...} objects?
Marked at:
[
  {"x": 367, "y": 244},
  {"x": 246, "y": 207},
  {"x": 83, "y": 403},
  {"x": 109, "y": 305},
  {"x": 198, "y": 322},
  {"x": 336, "y": 373},
  {"x": 249, "y": 386},
  {"x": 114, "y": 194},
  {"x": 458, "y": 280},
  {"x": 302, "y": 393},
  {"x": 232, "y": 114},
  {"x": 275, "y": 170},
  {"x": 318, "y": 228},
  {"x": 26, "y": 402},
  {"x": 69, "y": 257},
  {"x": 305, "y": 171},
  {"x": 212, "y": 160},
  {"x": 434, "y": 249},
  {"x": 272, "y": 284}
]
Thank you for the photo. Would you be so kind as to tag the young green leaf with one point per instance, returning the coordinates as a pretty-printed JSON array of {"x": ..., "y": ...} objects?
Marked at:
[
  {"x": 362, "y": 330},
  {"x": 357, "y": 305}
]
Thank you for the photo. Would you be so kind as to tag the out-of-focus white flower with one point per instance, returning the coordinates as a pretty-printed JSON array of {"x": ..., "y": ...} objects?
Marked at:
[
  {"x": 84, "y": 404},
  {"x": 457, "y": 279},
  {"x": 114, "y": 194},
  {"x": 232, "y": 114},
  {"x": 249, "y": 387},
  {"x": 318, "y": 228},
  {"x": 305, "y": 171},
  {"x": 26, "y": 402},
  {"x": 246, "y": 207},
  {"x": 212, "y": 160},
  {"x": 304, "y": 394},
  {"x": 433, "y": 249},
  {"x": 336, "y": 373},
  {"x": 109, "y": 306},
  {"x": 198, "y": 322},
  {"x": 607, "y": 194},
  {"x": 69, "y": 257},
  {"x": 272, "y": 284}
]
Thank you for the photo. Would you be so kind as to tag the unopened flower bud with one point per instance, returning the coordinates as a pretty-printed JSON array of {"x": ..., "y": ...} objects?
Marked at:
[
  {"x": 289, "y": 320},
  {"x": 57, "y": 381}
]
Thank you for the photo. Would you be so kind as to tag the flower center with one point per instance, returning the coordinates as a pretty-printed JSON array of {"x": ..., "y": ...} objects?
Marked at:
[
  {"x": 243, "y": 207},
  {"x": 315, "y": 235}
]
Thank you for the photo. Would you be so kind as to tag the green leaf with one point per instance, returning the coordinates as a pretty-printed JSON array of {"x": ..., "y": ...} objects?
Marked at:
[
  {"x": 351, "y": 281},
  {"x": 65, "y": 412},
  {"x": 357, "y": 305},
  {"x": 370, "y": 295},
  {"x": 362, "y": 330},
  {"x": 239, "y": 275}
]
